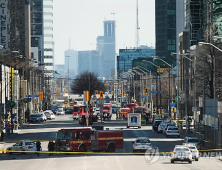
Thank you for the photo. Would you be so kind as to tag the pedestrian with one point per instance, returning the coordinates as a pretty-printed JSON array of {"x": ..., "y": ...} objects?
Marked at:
[
  {"x": 50, "y": 147},
  {"x": 2, "y": 135},
  {"x": 57, "y": 147},
  {"x": 38, "y": 146}
]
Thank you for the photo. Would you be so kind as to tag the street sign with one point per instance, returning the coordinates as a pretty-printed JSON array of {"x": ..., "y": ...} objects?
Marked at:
[
  {"x": 161, "y": 70},
  {"x": 32, "y": 95},
  {"x": 145, "y": 96},
  {"x": 213, "y": 127},
  {"x": 172, "y": 105},
  {"x": 177, "y": 98},
  {"x": 155, "y": 91}
]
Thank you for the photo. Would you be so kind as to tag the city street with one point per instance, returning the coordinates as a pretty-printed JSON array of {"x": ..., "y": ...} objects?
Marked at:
[{"x": 46, "y": 131}]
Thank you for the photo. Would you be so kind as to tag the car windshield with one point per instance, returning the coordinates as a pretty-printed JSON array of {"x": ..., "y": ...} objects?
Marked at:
[
  {"x": 34, "y": 115},
  {"x": 173, "y": 129},
  {"x": 181, "y": 149},
  {"x": 76, "y": 109},
  {"x": 106, "y": 108},
  {"x": 192, "y": 147},
  {"x": 193, "y": 140},
  {"x": 143, "y": 141},
  {"x": 29, "y": 143},
  {"x": 63, "y": 135}
]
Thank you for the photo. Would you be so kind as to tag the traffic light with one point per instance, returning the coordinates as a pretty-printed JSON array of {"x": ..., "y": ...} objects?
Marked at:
[
  {"x": 40, "y": 95},
  {"x": 146, "y": 91},
  {"x": 101, "y": 95},
  {"x": 96, "y": 92},
  {"x": 123, "y": 93},
  {"x": 57, "y": 93}
]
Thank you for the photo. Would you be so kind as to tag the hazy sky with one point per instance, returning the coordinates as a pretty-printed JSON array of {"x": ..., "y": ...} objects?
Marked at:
[{"x": 81, "y": 21}]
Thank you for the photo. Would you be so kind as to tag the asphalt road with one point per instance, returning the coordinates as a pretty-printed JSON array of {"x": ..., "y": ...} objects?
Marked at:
[{"x": 46, "y": 131}]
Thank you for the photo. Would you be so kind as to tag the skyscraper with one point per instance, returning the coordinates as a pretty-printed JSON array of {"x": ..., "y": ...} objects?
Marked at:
[
  {"x": 71, "y": 63},
  {"x": 106, "y": 46},
  {"x": 169, "y": 17},
  {"x": 42, "y": 31}
]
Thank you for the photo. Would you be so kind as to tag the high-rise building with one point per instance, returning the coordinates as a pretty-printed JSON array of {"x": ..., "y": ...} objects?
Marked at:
[
  {"x": 71, "y": 63},
  {"x": 194, "y": 20},
  {"x": 106, "y": 46},
  {"x": 84, "y": 61},
  {"x": 169, "y": 17},
  {"x": 42, "y": 32},
  {"x": 124, "y": 60}
]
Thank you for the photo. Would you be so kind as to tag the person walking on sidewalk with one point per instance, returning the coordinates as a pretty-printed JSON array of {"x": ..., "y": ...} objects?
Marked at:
[
  {"x": 2, "y": 135},
  {"x": 38, "y": 146}
]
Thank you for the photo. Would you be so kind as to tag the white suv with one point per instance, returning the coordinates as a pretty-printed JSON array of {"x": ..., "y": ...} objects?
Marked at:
[
  {"x": 181, "y": 153},
  {"x": 194, "y": 151}
]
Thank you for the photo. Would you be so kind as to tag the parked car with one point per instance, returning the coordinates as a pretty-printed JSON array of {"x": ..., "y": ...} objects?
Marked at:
[
  {"x": 166, "y": 126},
  {"x": 24, "y": 145},
  {"x": 35, "y": 118},
  {"x": 194, "y": 151},
  {"x": 69, "y": 111},
  {"x": 156, "y": 123},
  {"x": 192, "y": 141},
  {"x": 43, "y": 116},
  {"x": 60, "y": 111},
  {"x": 172, "y": 131},
  {"x": 142, "y": 144},
  {"x": 161, "y": 127},
  {"x": 50, "y": 115}
]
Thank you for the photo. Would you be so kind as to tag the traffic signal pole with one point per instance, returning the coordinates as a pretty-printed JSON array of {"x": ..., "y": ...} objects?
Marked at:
[{"x": 12, "y": 125}]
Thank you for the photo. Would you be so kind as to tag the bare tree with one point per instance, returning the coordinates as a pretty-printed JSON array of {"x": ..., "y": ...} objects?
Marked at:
[{"x": 86, "y": 81}]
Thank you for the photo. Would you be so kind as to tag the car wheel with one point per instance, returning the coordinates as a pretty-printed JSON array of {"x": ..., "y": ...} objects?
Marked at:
[
  {"x": 190, "y": 162},
  {"x": 196, "y": 159},
  {"x": 82, "y": 148},
  {"x": 172, "y": 161}
]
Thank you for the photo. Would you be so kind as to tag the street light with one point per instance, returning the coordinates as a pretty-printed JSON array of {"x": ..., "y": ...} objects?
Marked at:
[
  {"x": 171, "y": 66},
  {"x": 147, "y": 86},
  {"x": 214, "y": 81},
  {"x": 140, "y": 74},
  {"x": 145, "y": 61}
]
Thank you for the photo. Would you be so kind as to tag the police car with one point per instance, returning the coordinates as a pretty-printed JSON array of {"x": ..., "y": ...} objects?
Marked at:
[
  {"x": 142, "y": 144},
  {"x": 194, "y": 151},
  {"x": 23, "y": 145},
  {"x": 181, "y": 153}
]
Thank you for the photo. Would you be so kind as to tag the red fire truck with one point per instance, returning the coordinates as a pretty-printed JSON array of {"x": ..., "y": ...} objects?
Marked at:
[
  {"x": 131, "y": 108},
  {"x": 83, "y": 115},
  {"x": 107, "y": 108},
  {"x": 86, "y": 139},
  {"x": 76, "y": 111}
]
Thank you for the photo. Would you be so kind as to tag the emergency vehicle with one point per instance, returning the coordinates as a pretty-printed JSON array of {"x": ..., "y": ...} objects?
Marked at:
[
  {"x": 86, "y": 139},
  {"x": 76, "y": 111},
  {"x": 131, "y": 108},
  {"x": 107, "y": 108},
  {"x": 83, "y": 115},
  {"x": 134, "y": 120}
]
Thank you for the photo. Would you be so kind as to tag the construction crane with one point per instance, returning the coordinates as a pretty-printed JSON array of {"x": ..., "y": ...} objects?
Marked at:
[{"x": 137, "y": 26}]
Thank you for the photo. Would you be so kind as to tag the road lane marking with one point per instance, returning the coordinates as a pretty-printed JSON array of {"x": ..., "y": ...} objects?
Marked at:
[{"x": 118, "y": 162}]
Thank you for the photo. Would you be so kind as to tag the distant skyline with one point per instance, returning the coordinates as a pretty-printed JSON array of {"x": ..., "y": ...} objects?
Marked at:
[{"x": 78, "y": 23}]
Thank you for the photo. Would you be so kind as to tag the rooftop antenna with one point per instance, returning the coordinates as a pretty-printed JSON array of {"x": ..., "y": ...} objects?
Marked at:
[
  {"x": 137, "y": 26},
  {"x": 113, "y": 13}
]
